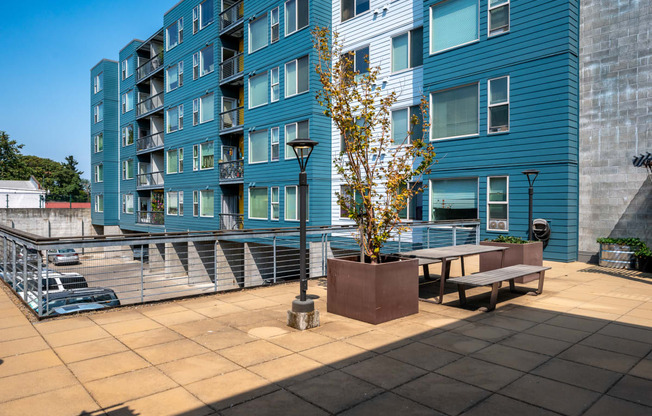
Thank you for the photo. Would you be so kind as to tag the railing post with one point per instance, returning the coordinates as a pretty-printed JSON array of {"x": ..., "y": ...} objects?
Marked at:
[
  {"x": 13, "y": 265},
  {"x": 428, "y": 235},
  {"x": 324, "y": 253},
  {"x": 39, "y": 290},
  {"x": 274, "y": 255},
  {"x": 4, "y": 258},
  {"x": 142, "y": 277},
  {"x": 399, "y": 243},
  {"x": 25, "y": 287},
  {"x": 47, "y": 283},
  {"x": 215, "y": 263},
  {"x": 454, "y": 235},
  {"x": 477, "y": 234}
]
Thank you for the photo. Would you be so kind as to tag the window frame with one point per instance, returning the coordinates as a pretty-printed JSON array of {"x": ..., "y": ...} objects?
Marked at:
[
  {"x": 430, "y": 17},
  {"x": 296, "y": 17},
  {"x": 201, "y": 154},
  {"x": 355, "y": 14},
  {"x": 266, "y": 144},
  {"x": 195, "y": 203},
  {"x": 411, "y": 201},
  {"x": 298, "y": 203},
  {"x": 124, "y": 135},
  {"x": 296, "y": 63},
  {"x": 506, "y": 202},
  {"x": 504, "y": 3},
  {"x": 409, "y": 63},
  {"x": 277, "y": 24},
  {"x": 98, "y": 172},
  {"x": 125, "y": 67},
  {"x": 201, "y": 14},
  {"x": 263, "y": 16},
  {"x": 249, "y": 95},
  {"x": 195, "y": 157},
  {"x": 179, "y": 25},
  {"x": 167, "y": 162},
  {"x": 98, "y": 116},
  {"x": 168, "y": 205},
  {"x": 96, "y": 141},
  {"x": 201, "y": 107},
  {"x": 430, "y": 111},
  {"x": 195, "y": 66},
  {"x": 126, "y": 205},
  {"x": 273, "y": 84},
  {"x": 98, "y": 198},
  {"x": 430, "y": 188},
  {"x": 201, "y": 192},
  {"x": 179, "y": 68},
  {"x": 285, "y": 138},
  {"x": 179, "y": 109},
  {"x": 125, "y": 171},
  {"x": 201, "y": 60},
  {"x": 97, "y": 85},
  {"x": 277, "y": 203},
  {"x": 502, "y": 103},
  {"x": 277, "y": 143},
  {"x": 180, "y": 160},
  {"x": 195, "y": 19},
  {"x": 249, "y": 203},
  {"x": 127, "y": 98}
]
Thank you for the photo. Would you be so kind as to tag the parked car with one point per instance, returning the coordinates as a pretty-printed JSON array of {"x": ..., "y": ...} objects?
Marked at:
[
  {"x": 94, "y": 295},
  {"x": 140, "y": 250},
  {"x": 32, "y": 255},
  {"x": 51, "y": 282},
  {"x": 80, "y": 307},
  {"x": 63, "y": 256}
]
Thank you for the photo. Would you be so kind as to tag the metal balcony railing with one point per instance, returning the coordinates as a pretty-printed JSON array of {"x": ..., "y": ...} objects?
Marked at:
[
  {"x": 232, "y": 66},
  {"x": 151, "y": 217},
  {"x": 150, "y": 66},
  {"x": 150, "y": 179},
  {"x": 150, "y": 104},
  {"x": 151, "y": 141},
  {"x": 232, "y": 171},
  {"x": 232, "y": 118},
  {"x": 231, "y": 221},
  {"x": 231, "y": 16}
]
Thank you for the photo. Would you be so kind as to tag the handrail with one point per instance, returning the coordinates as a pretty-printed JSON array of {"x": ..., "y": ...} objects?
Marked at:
[
  {"x": 232, "y": 170},
  {"x": 150, "y": 104},
  {"x": 231, "y": 118},
  {"x": 232, "y": 66},
  {"x": 150, "y": 66},
  {"x": 151, "y": 217},
  {"x": 150, "y": 141},
  {"x": 231, "y": 221},
  {"x": 150, "y": 179},
  {"x": 231, "y": 15}
]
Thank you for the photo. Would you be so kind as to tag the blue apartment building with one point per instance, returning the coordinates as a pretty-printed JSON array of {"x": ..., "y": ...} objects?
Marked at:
[{"x": 197, "y": 116}]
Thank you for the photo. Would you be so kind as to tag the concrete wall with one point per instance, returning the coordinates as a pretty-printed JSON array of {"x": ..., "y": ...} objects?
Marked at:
[
  {"x": 615, "y": 121},
  {"x": 49, "y": 222}
]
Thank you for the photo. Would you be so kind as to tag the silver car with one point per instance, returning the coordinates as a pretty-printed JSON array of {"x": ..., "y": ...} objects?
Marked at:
[{"x": 63, "y": 256}]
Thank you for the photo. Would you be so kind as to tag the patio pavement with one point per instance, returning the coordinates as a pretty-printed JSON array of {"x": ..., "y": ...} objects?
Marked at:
[{"x": 583, "y": 347}]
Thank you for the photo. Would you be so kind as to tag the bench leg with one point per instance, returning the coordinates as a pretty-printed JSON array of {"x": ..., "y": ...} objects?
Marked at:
[
  {"x": 462, "y": 292},
  {"x": 494, "y": 298},
  {"x": 539, "y": 291},
  {"x": 462, "y": 264},
  {"x": 426, "y": 272},
  {"x": 442, "y": 280},
  {"x": 512, "y": 286}
]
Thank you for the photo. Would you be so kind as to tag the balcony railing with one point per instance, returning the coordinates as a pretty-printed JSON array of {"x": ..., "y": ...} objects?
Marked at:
[
  {"x": 150, "y": 179},
  {"x": 151, "y": 141},
  {"x": 231, "y": 221},
  {"x": 150, "y": 66},
  {"x": 231, "y": 16},
  {"x": 232, "y": 171},
  {"x": 232, "y": 67},
  {"x": 151, "y": 217},
  {"x": 232, "y": 118},
  {"x": 150, "y": 104}
]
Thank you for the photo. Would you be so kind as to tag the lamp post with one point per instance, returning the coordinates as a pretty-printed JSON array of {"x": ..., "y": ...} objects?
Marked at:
[
  {"x": 531, "y": 177},
  {"x": 303, "y": 314}
]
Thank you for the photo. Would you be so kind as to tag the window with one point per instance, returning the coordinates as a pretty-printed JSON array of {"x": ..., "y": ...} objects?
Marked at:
[
  {"x": 180, "y": 203},
  {"x": 258, "y": 34},
  {"x": 173, "y": 161},
  {"x": 258, "y": 203},
  {"x": 175, "y": 119},
  {"x": 127, "y": 101},
  {"x": 498, "y": 203},
  {"x": 275, "y": 143},
  {"x": 414, "y": 209},
  {"x": 498, "y": 17},
  {"x": 207, "y": 61},
  {"x": 98, "y": 113},
  {"x": 195, "y": 157},
  {"x": 454, "y": 112},
  {"x": 127, "y": 69},
  {"x": 274, "y": 89},
  {"x": 99, "y": 173},
  {"x": 195, "y": 203},
  {"x": 99, "y": 203},
  {"x": 98, "y": 82},
  {"x": 207, "y": 204},
  {"x": 345, "y": 193},
  {"x": 195, "y": 20},
  {"x": 498, "y": 105},
  {"x": 407, "y": 50},
  {"x": 206, "y": 13},
  {"x": 258, "y": 146},
  {"x": 206, "y": 108},
  {"x": 195, "y": 65},
  {"x": 195, "y": 111},
  {"x": 174, "y": 34},
  {"x": 174, "y": 76},
  {"x": 128, "y": 169},
  {"x": 300, "y": 130},
  {"x": 359, "y": 61},
  {"x": 292, "y": 203},
  {"x": 180, "y": 160},
  {"x": 273, "y": 20},
  {"x": 275, "y": 207},
  {"x": 258, "y": 90},
  {"x": 296, "y": 76},
  {"x": 173, "y": 203},
  {"x": 127, "y": 203},
  {"x": 127, "y": 135},
  {"x": 453, "y": 23},
  {"x": 207, "y": 155},
  {"x": 98, "y": 142},
  {"x": 296, "y": 15},
  {"x": 453, "y": 199},
  {"x": 402, "y": 124},
  {"x": 352, "y": 8}
]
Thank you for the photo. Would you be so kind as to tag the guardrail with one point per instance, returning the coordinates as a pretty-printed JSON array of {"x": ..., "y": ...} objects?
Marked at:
[
  {"x": 232, "y": 66},
  {"x": 232, "y": 171},
  {"x": 150, "y": 179},
  {"x": 150, "y": 66},
  {"x": 231, "y": 16},
  {"x": 231, "y": 221},
  {"x": 151, "y": 217},
  {"x": 151, "y": 141},
  {"x": 150, "y": 104},
  {"x": 231, "y": 118}
]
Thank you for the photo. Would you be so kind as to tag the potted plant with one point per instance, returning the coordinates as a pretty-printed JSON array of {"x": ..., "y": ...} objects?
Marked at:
[
  {"x": 618, "y": 253},
  {"x": 644, "y": 258},
  {"x": 376, "y": 168},
  {"x": 519, "y": 251}
]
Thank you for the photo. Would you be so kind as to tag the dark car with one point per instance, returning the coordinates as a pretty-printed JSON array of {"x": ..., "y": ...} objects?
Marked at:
[
  {"x": 141, "y": 251},
  {"x": 95, "y": 295}
]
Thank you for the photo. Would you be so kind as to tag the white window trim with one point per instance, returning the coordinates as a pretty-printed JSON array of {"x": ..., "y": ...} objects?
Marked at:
[
  {"x": 124, "y": 169},
  {"x": 278, "y": 143},
  {"x": 200, "y": 199},
  {"x": 355, "y": 4},
  {"x": 168, "y": 205},
  {"x": 97, "y": 116},
  {"x": 509, "y": 120},
  {"x": 195, "y": 203},
  {"x": 249, "y": 91},
  {"x": 264, "y": 15},
  {"x": 285, "y": 138},
  {"x": 271, "y": 203},
  {"x": 179, "y": 24},
  {"x": 167, "y": 162},
  {"x": 96, "y": 82},
  {"x": 180, "y": 203},
  {"x": 195, "y": 65},
  {"x": 278, "y": 23},
  {"x": 125, "y": 205},
  {"x": 97, "y": 202},
  {"x": 431, "y": 52},
  {"x": 277, "y": 84},
  {"x": 179, "y": 67},
  {"x": 200, "y": 108},
  {"x": 431, "y": 137},
  {"x": 96, "y": 173},
  {"x": 296, "y": 61},
  {"x": 96, "y": 143},
  {"x": 195, "y": 19},
  {"x": 195, "y": 158},
  {"x": 285, "y": 196},
  {"x": 509, "y": 17},
  {"x": 249, "y": 203},
  {"x": 249, "y": 148},
  {"x": 125, "y": 66},
  {"x": 180, "y": 160},
  {"x": 391, "y": 60},
  {"x": 179, "y": 119},
  {"x": 201, "y": 155},
  {"x": 296, "y": 17},
  {"x": 201, "y": 61},
  {"x": 200, "y": 15},
  {"x": 477, "y": 180},
  {"x": 506, "y": 202}
]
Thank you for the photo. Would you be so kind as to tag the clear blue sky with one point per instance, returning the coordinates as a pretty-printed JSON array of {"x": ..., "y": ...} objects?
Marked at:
[{"x": 47, "y": 48}]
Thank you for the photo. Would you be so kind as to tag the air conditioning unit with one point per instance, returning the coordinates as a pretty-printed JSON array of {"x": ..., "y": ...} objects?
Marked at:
[{"x": 497, "y": 225}]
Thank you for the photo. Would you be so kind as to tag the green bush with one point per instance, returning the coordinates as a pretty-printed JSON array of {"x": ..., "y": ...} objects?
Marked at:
[
  {"x": 509, "y": 239},
  {"x": 640, "y": 248}
]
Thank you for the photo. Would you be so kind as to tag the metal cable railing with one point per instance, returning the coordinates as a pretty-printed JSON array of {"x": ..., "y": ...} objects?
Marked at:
[
  {"x": 233, "y": 170},
  {"x": 150, "y": 179},
  {"x": 150, "y": 104},
  {"x": 232, "y": 66},
  {"x": 231, "y": 16},
  {"x": 151, "y": 141},
  {"x": 231, "y": 118},
  {"x": 150, "y": 66}
]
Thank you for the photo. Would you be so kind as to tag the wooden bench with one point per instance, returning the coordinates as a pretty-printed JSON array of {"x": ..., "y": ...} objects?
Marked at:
[
  {"x": 426, "y": 262},
  {"x": 494, "y": 278}
]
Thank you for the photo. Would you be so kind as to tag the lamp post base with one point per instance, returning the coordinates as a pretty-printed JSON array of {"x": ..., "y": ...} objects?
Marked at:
[{"x": 303, "y": 315}]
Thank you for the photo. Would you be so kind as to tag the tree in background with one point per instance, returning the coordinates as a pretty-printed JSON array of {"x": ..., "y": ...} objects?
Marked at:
[{"x": 12, "y": 166}]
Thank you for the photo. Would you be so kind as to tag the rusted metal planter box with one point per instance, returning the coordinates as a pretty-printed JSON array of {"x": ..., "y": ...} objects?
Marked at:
[
  {"x": 528, "y": 253},
  {"x": 373, "y": 293},
  {"x": 616, "y": 256}
]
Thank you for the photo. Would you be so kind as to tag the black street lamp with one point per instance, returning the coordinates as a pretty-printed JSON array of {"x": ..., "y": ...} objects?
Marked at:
[
  {"x": 303, "y": 314},
  {"x": 531, "y": 177}
]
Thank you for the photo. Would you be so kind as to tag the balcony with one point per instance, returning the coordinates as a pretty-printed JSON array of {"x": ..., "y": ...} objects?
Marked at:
[
  {"x": 150, "y": 143},
  {"x": 151, "y": 217},
  {"x": 231, "y": 221},
  {"x": 150, "y": 104},
  {"x": 231, "y": 20},
  {"x": 231, "y": 172},
  {"x": 231, "y": 70},
  {"x": 149, "y": 67},
  {"x": 150, "y": 180},
  {"x": 231, "y": 120}
]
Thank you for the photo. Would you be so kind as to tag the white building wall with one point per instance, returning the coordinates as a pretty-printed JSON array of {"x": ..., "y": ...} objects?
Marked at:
[{"x": 22, "y": 199}]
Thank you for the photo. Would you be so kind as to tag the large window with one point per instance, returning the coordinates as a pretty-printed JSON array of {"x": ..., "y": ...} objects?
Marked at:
[
  {"x": 99, "y": 173},
  {"x": 98, "y": 142},
  {"x": 98, "y": 82},
  {"x": 296, "y": 76},
  {"x": 206, "y": 13},
  {"x": 258, "y": 88},
  {"x": 207, "y": 204},
  {"x": 274, "y": 25},
  {"x": 258, "y": 146},
  {"x": 275, "y": 143},
  {"x": 127, "y": 203},
  {"x": 300, "y": 130},
  {"x": 172, "y": 161},
  {"x": 127, "y": 68},
  {"x": 128, "y": 101},
  {"x": 175, "y": 119},
  {"x": 206, "y": 108},
  {"x": 127, "y": 135},
  {"x": 207, "y": 61},
  {"x": 258, "y": 203},
  {"x": 274, "y": 90},
  {"x": 258, "y": 34},
  {"x": 292, "y": 203},
  {"x": 173, "y": 203},
  {"x": 174, "y": 76},
  {"x": 414, "y": 209},
  {"x": 352, "y": 8},
  {"x": 453, "y": 199},
  {"x": 99, "y": 203},
  {"x": 275, "y": 206},
  {"x": 498, "y": 17},
  {"x": 454, "y": 112},
  {"x": 407, "y": 50},
  {"x": 174, "y": 34},
  {"x": 402, "y": 123},
  {"x": 128, "y": 169},
  {"x": 296, "y": 15},
  {"x": 359, "y": 60},
  {"x": 453, "y": 23},
  {"x": 207, "y": 155},
  {"x": 498, "y": 203},
  {"x": 498, "y": 105},
  {"x": 98, "y": 112}
]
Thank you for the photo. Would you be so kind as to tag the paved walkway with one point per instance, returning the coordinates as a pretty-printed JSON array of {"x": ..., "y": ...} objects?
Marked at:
[{"x": 583, "y": 347}]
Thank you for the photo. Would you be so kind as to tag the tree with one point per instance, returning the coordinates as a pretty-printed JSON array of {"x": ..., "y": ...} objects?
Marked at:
[
  {"x": 376, "y": 172},
  {"x": 12, "y": 166}
]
